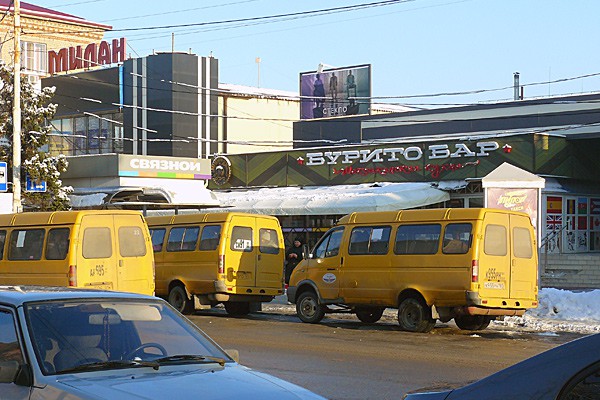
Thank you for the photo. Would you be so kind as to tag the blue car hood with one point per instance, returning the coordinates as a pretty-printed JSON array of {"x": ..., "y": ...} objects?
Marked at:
[{"x": 180, "y": 382}]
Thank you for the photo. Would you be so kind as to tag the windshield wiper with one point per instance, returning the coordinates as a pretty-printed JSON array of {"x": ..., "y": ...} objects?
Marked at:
[
  {"x": 113, "y": 364},
  {"x": 189, "y": 358}
]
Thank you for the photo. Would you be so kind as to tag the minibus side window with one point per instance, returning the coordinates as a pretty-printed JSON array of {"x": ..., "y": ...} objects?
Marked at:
[
  {"x": 494, "y": 243},
  {"x": 158, "y": 238},
  {"x": 183, "y": 239},
  {"x": 97, "y": 243},
  {"x": 457, "y": 239},
  {"x": 57, "y": 245},
  {"x": 26, "y": 244},
  {"x": 417, "y": 239},
  {"x": 131, "y": 241},
  {"x": 211, "y": 236},
  {"x": 268, "y": 241},
  {"x": 330, "y": 245},
  {"x": 241, "y": 238},
  {"x": 522, "y": 246},
  {"x": 369, "y": 240},
  {"x": 2, "y": 240}
]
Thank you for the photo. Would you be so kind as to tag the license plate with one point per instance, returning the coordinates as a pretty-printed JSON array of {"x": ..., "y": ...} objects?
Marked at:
[{"x": 493, "y": 285}]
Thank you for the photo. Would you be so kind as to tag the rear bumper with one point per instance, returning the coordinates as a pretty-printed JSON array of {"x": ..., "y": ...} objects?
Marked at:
[{"x": 495, "y": 306}]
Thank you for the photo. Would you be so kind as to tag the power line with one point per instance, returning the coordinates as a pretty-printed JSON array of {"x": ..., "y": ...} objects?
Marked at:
[{"x": 268, "y": 18}]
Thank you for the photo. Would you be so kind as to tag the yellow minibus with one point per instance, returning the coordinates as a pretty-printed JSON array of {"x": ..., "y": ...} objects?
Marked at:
[
  {"x": 472, "y": 265},
  {"x": 223, "y": 257},
  {"x": 86, "y": 249}
]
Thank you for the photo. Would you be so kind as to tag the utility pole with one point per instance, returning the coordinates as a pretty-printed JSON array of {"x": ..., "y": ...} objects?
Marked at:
[
  {"x": 17, "y": 206},
  {"x": 257, "y": 60}
]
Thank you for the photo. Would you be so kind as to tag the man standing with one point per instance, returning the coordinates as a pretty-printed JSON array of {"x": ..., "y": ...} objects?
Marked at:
[{"x": 293, "y": 257}]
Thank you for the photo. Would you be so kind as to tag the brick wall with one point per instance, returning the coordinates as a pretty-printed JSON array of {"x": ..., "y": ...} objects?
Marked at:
[{"x": 570, "y": 271}]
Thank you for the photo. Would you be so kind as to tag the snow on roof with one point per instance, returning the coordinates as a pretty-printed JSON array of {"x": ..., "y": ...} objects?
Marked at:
[{"x": 256, "y": 91}]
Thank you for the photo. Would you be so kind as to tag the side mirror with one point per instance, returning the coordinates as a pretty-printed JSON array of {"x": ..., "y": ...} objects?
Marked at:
[
  {"x": 306, "y": 252},
  {"x": 8, "y": 371}
]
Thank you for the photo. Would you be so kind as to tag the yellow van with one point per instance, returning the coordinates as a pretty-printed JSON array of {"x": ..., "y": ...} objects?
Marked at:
[
  {"x": 230, "y": 258},
  {"x": 472, "y": 265},
  {"x": 86, "y": 249}
]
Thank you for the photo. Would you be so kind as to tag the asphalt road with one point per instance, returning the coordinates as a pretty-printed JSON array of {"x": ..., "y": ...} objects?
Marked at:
[{"x": 342, "y": 358}]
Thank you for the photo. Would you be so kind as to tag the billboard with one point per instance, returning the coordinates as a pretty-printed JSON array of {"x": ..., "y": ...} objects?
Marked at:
[{"x": 335, "y": 92}]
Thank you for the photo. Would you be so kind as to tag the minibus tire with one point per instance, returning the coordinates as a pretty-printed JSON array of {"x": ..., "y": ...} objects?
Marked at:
[
  {"x": 369, "y": 315},
  {"x": 238, "y": 308},
  {"x": 308, "y": 308},
  {"x": 472, "y": 322},
  {"x": 415, "y": 316},
  {"x": 178, "y": 298}
]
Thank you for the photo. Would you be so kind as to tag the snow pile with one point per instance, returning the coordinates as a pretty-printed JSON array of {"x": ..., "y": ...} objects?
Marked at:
[{"x": 560, "y": 310}]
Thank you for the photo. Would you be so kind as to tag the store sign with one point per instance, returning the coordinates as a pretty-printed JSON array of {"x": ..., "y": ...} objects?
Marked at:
[
  {"x": 164, "y": 167},
  {"x": 103, "y": 53},
  {"x": 412, "y": 153}
]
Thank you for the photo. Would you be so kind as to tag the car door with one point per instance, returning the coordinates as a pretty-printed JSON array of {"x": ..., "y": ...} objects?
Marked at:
[
  {"x": 10, "y": 352},
  {"x": 324, "y": 266}
]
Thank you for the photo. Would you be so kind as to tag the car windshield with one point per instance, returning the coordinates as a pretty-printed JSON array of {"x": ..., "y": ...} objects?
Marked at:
[{"x": 91, "y": 334}]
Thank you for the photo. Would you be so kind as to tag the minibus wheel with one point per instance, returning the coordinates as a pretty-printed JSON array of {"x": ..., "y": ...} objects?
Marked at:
[
  {"x": 472, "y": 322},
  {"x": 178, "y": 298},
  {"x": 415, "y": 316},
  {"x": 369, "y": 315},
  {"x": 308, "y": 308}
]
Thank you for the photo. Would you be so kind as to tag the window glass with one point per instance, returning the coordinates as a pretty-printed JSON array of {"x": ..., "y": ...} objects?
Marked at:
[
  {"x": 183, "y": 238},
  {"x": 584, "y": 386},
  {"x": 417, "y": 239},
  {"x": 369, "y": 240},
  {"x": 211, "y": 236},
  {"x": 522, "y": 246},
  {"x": 57, "y": 245},
  {"x": 494, "y": 243},
  {"x": 93, "y": 134},
  {"x": 241, "y": 238},
  {"x": 80, "y": 135},
  {"x": 457, "y": 238},
  {"x": 97, "y": 243},
  {"x": 2, "y": 240},
  {"x": 26, "y": 244},
  {"x": 329, "y": 244},
  {"x": 269, "y": 242},
  {"x": 131, "y": 241},
  {"x": 9, "y": 344},
  {"x": 158, "y": 238}
]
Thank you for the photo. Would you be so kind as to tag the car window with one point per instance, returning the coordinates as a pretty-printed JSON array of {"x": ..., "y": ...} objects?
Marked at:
[
  {"x": 132, "y": 242},
  {"x": 10, "y": 349},
  {"x": 57, "y": 244},
  {"x": 158, "y": 238},
  {"x": 369, "y": 240},
  {"x": 211, "y": 236},
  {"x": 583, "y": 386},
  {"x": 329, "y": 244},
  {"x": 68, "y": 334}
]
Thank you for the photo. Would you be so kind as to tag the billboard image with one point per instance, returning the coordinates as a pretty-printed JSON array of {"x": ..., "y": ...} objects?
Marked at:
[{"x": 335, "y": 92}]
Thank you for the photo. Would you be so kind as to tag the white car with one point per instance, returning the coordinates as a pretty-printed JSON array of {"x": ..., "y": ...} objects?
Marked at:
[{"x": 61, "y": 343}]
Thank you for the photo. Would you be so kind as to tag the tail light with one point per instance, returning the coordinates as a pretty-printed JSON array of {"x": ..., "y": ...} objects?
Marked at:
[
  {"x": 72, "y": 275},
  {"x": 222, "y": 264},
  {"x": 475, "y": 271}
]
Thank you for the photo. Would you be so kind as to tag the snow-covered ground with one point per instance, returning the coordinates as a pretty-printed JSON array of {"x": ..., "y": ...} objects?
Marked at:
[{"x": 560, "y": 311}]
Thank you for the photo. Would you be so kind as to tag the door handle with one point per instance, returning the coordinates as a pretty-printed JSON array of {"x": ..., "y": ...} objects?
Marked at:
[{"x": 330, "y": 269}]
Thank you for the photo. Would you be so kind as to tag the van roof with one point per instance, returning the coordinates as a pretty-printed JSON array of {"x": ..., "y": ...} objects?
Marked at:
[
  {"x": 55, "y": 217},
  {"x": 214, "y": 217},
  {"x": 433, "y": 214}
]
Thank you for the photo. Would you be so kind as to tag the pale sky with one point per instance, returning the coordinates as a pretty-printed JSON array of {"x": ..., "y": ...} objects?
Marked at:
[{"x": 415, "y": 47}]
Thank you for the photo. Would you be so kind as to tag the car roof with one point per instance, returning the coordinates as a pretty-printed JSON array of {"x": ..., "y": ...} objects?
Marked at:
[{"x": 16, "y": 295}]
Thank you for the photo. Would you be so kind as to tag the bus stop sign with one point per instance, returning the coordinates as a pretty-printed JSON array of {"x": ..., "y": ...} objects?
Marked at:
[
  {"x": 34, "y": 186},
  {"x": 3, "y": 177}
]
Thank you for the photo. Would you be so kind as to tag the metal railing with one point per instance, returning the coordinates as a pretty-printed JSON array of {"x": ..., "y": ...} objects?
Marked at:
[{"x": 550, "y": 237}]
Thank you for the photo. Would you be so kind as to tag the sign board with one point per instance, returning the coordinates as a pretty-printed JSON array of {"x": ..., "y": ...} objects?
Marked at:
[
  {"x": 34, "y": 186},
  {"x": 3, "y": 177},
  {"x": 335, "y": 92},
  {"x": 6, "y": 203}
]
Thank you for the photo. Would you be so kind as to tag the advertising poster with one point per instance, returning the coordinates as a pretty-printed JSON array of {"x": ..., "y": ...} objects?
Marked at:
[
  {"x": 522, "y": 200},
  {"x": 335, "y": 92}
]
